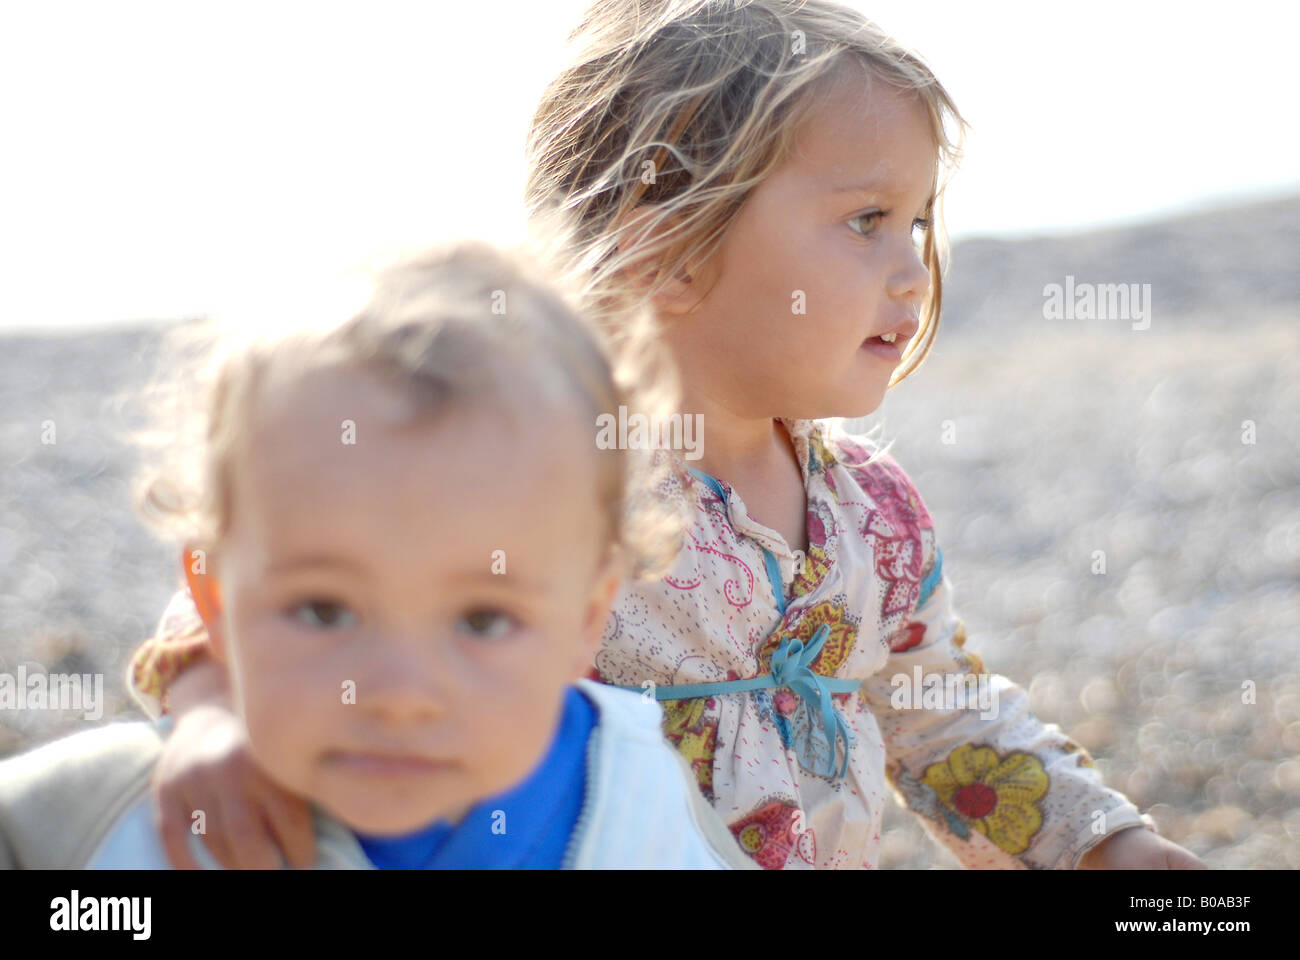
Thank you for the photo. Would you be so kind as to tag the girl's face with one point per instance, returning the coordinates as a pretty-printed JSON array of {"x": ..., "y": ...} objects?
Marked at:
[
  {"x": 403, "y": 608},
  {"x": 821, "y": 258}
]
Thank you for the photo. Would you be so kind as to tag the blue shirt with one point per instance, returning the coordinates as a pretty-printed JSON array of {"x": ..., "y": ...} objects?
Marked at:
[{"x": 526, "y": 828}]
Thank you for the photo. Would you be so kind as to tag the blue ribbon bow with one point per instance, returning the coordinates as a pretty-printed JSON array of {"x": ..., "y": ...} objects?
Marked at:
[{"x": 792, "y": 668}]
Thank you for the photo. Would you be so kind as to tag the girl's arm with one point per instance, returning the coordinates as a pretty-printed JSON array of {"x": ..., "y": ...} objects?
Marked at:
[
  {"x": 179, "y": 642},
  {"x": 206, "y": 766},
  {"x": 999, "y": 788}
]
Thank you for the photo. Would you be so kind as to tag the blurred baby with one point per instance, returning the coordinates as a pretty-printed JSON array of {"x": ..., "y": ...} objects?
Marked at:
[{"x": 404, "y": 541}]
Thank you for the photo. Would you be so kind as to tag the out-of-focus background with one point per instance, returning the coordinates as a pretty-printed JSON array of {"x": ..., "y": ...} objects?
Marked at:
[
  {"x": 165, "y": 165},
  {"x": 1174, "y": 450}
]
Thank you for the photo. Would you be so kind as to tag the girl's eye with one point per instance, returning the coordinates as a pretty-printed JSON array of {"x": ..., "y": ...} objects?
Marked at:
[
  {"x": 323, "y": 615},
  {"x": 486, "y": 624},
  {"x": 920, "y": 224},
  {"x": 874, "y": 216}
]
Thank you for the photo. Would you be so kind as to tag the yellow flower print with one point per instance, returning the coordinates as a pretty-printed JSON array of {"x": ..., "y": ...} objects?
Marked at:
[
  {"x": 996, "y": 795},
  {"x": 815, "y": 565},
  {"x": 843, "y": 634},
  {"x": 695, "y": 736},
  {"x": 819, "y": 448}
]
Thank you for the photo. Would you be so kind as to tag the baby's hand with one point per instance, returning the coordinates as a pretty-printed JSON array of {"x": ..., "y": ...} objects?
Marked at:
[
  {"x": 206, "y": 765},
  {"x": 1137, "y": 848}
]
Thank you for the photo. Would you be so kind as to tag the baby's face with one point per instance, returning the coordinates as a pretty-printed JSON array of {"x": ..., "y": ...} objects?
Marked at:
[{"x": 402, "y": 613}]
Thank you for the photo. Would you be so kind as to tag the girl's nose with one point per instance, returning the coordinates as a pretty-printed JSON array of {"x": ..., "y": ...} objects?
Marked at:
[{"x": 911, "y": 280}]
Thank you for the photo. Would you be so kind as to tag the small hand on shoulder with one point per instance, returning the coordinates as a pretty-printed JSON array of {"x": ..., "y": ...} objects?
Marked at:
[{"x": 249, "y": 821}]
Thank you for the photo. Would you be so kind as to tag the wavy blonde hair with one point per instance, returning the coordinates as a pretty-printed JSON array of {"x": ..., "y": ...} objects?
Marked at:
[
  {"x": 430, "y": 328},
  {"x": 710, "y": 93}
]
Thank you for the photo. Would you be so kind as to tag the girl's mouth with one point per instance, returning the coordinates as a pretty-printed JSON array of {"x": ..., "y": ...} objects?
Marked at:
[{"x": 885, "y": 350}]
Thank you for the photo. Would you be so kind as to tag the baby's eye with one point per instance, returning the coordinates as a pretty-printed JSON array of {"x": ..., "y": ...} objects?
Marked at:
[
  {"x": 919, "y": 228},
  {"x": 323, "y": 615},
  {"x": 486, "y": 624}
]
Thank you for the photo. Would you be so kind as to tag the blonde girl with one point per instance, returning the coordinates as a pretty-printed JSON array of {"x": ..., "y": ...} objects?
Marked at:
[{"x": 767, "y": 177}]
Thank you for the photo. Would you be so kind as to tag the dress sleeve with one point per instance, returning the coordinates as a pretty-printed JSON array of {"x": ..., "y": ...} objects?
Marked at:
[
  {"x": 990, "y": 782},
  {"x": 180, "y": 640}
]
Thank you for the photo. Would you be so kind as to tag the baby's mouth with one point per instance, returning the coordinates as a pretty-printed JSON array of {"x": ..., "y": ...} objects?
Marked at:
[{"x": 386, "y": 764}]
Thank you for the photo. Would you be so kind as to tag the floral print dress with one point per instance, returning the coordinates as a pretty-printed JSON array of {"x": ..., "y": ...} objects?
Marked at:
[{"x": 1004, "y": 791}]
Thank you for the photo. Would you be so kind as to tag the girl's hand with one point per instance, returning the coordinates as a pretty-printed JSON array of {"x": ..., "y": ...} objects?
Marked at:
[
  {"x": 1137, "y": 848},
  {"x": 206, "y": 766}
]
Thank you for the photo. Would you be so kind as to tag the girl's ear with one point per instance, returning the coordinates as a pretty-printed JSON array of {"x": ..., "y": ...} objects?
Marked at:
[
  {"x": 684, "y": 290},
  {"x": 205, "y": 589}
]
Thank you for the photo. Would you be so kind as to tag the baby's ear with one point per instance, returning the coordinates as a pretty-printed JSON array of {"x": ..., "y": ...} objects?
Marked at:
[
  {"x": 205, "y": 589},
  {"x": 604, "y": 589}
]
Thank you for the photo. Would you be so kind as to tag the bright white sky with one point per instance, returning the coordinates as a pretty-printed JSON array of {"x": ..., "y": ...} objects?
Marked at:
[{"x": 172, "y": 158}]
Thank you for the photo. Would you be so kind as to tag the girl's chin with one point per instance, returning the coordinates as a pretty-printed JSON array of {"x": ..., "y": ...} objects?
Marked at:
[
  {"x": 854, "y": 397},
  {"x": 861, "y": 402},
  {"x": 850, "y": 409}
]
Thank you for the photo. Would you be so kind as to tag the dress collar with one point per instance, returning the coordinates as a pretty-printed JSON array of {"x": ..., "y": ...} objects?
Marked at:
[
  {"x": 811, "y": 452},
  {"x": 801, "y": 433}
]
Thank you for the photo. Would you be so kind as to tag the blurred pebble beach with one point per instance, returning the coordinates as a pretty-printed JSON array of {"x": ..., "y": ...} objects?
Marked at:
[{"x": 1035, "y": 442}]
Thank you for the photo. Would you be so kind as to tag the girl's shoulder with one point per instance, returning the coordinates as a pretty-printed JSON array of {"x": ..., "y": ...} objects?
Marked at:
[
  {"x": 867, "y": 463},
  {"x": 861, "y": 474}
]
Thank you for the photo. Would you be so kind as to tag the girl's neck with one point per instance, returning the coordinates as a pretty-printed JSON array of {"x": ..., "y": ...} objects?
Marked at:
[{"x": 734, "y": 446}]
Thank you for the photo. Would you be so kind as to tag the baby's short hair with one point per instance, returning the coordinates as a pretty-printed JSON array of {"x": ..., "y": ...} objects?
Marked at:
[{"x": 462, "y": 324}]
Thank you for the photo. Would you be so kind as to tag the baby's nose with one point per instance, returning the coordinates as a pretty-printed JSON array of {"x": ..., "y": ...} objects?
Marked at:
[{"x": 401, "y": 681}]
